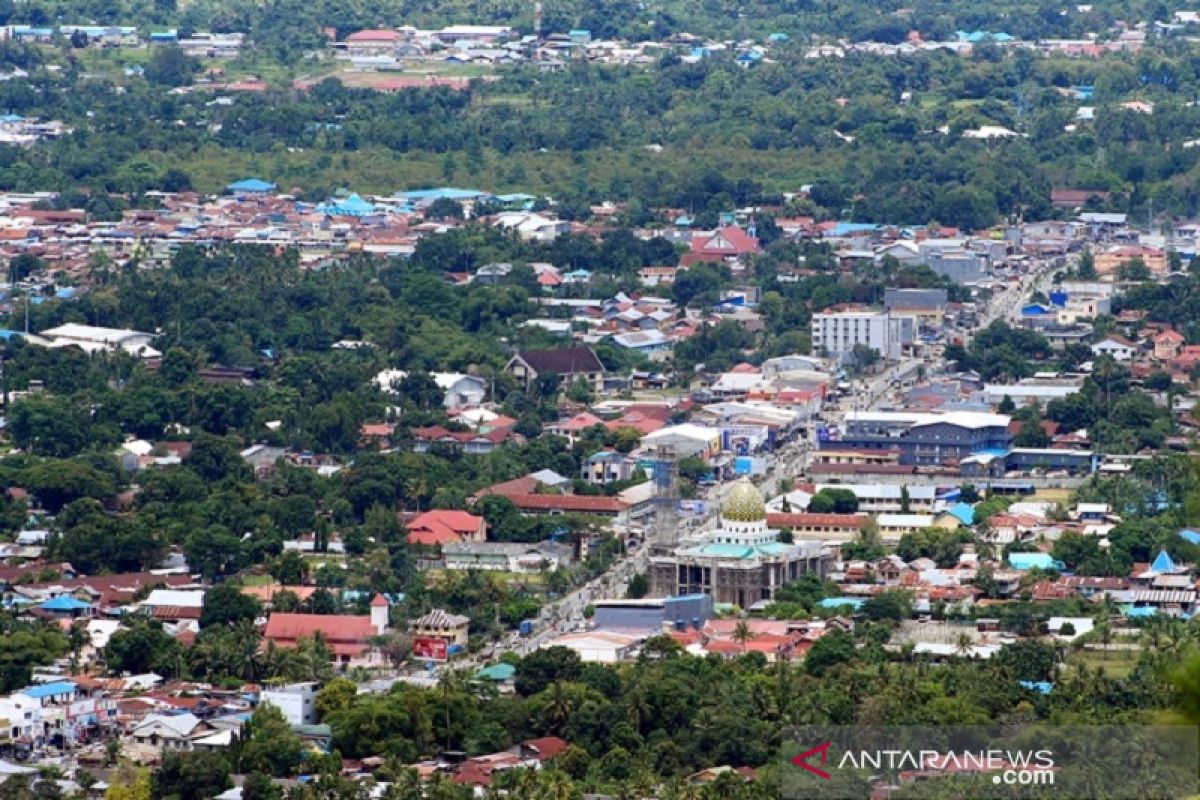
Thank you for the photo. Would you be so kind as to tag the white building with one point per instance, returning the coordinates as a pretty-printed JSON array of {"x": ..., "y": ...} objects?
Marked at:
[
  {"x": 297, "y": 702},
  {"x": 460, "y": 390},
  {"x": 838, "y": 332},
  {"x": 599, "y": 647},
  {"x": 92, "y": 339},
  {"x": 1120, "y": 348}
]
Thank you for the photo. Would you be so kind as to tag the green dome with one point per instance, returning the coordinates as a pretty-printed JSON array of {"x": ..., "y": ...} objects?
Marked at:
[{"x": 745, "y": 504}]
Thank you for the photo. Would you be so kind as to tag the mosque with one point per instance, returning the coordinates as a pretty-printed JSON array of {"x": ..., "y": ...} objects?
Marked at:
[{"x": 742, "y": 562}]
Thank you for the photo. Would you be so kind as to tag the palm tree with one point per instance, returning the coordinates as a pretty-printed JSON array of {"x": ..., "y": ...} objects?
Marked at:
[
  {"x": 1105, "y": 634},
  {"x": 742, "y": 634},
  {"x": 963, "y": 644},
  {"x": 559, "y": 706},
  {"x": 76, "y": 638}
]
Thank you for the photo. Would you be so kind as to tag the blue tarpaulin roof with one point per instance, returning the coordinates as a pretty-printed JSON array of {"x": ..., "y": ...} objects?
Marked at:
[
  {"x": 1041, "y": 687},
  {"x": 64, "y": 602},
  {"x": 1190, "y": 536}
]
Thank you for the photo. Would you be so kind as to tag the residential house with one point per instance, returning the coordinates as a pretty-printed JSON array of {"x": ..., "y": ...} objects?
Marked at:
[
  {"x": 1117, "y": 346},
  {"x": 468, "y": 442},
  {"x": 1167, "y": 345},
  {"x": 441, "y": 527},
  {"x": 726, "y": 244},
  {"x": 459, "y": 390},
  {"x": 180, "y": 732},
  {"x": 568, "y": 363}
]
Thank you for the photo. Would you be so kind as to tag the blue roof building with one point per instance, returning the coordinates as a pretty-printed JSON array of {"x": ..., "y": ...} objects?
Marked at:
[
  {"x": 53, "y": 689},
  {"x": 352, "y": 206},
  {"x": 1190, "y": 536},
  {"x": 841, "y": 602},
  {"x": 848, "y": 228},
  {"x": 1041, "y": 687},
  {"x": 498, "y": 673},
  {"x": 65, "y": 604},
  {"x": 963, "y": 512},
  {"x": 1162, "y": 563},
  {"x": 1024, "y": 561},
  {"x": 250, "y": 186},
  {"x": 441, "y": 193}
]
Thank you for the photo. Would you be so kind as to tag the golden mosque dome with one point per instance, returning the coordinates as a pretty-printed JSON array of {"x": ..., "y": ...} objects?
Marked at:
[{"x": 745, "y": 503}]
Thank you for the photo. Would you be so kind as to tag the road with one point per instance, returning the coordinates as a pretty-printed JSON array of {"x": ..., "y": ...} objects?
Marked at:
[{"x": 566, "y": 613}]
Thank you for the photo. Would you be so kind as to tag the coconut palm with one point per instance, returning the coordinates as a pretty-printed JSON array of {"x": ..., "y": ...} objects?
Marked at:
[{"x": 742, "y": 634}]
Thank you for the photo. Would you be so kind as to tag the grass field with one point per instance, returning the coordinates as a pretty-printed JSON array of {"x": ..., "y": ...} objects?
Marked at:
[{"x": 1116, "y": 663}]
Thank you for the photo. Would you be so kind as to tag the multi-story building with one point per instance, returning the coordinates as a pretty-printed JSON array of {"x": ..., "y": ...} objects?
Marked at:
[
  {"x": 742, "y": 562},
  {"x": 927, "y": 304},
  {"x": 837, "y": 333},
  {"x": 296, "y": 701},
  {"x": 922, "y": 438}
]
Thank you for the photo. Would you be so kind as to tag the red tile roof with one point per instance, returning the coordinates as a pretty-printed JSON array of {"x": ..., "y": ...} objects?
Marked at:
[
  {"x": 338, "y": 629},
  {"x": 546, "y": 747},
  {"x": 374, "y": 36},
  {"x": 442, "y": 526}
]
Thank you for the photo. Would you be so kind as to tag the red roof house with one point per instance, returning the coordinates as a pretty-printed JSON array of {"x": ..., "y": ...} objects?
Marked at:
[
  {"x": 442, "y": 526},
  {"x": 724, "y": 244}
]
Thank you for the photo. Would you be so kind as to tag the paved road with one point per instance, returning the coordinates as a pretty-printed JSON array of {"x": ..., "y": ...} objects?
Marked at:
[{"x": 566, "y": 613}]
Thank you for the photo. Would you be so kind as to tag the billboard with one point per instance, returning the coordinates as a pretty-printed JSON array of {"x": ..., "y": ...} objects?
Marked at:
[{"x": 430, "y": 648}]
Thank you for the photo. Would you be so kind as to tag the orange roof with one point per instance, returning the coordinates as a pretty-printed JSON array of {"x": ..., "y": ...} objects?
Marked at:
[{"x": 442, "y": 526}]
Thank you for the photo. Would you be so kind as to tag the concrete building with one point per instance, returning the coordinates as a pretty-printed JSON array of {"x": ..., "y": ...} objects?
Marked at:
[
  {"x": 741, "y": 562},
  {"x": 653, "y": 614},
  {"x": 922, "y": 438},
  {"x": 838, "y": 332},
  {"x": 517, "y": 557},
  {"x": 296, "y": 701},
  {"x": 928, "y": 305}
]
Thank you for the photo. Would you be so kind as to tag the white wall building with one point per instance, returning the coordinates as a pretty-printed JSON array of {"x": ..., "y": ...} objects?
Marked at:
[
  {"x": 837, "y": 333},
  {"x": 297, "y": 702}
]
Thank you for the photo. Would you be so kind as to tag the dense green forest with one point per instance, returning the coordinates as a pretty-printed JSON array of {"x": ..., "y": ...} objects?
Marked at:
[{"x": 730, "y": 136}]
